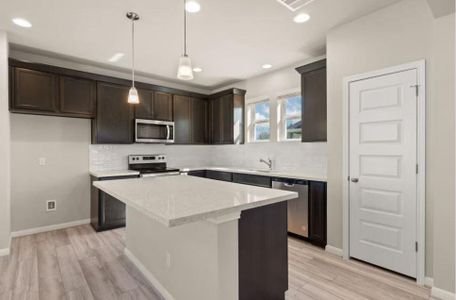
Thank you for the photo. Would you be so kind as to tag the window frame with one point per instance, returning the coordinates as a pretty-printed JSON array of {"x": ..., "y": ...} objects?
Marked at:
[
  {"x": 251, "y": 122},
  {"x": 282, "y": 116}
]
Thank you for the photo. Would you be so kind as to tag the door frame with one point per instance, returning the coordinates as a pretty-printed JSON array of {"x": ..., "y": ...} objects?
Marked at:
[{"x": 420, "y": 67}]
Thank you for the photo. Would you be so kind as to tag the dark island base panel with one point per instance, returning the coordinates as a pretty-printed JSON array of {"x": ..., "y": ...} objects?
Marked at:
[{"x": 263, "y": 253}]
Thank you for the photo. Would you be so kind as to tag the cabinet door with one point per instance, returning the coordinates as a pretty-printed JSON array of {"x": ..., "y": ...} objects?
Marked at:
[
  {"x": 182, "y": 120},
  {"x": 163, "y": 106},
  {"x": 34, "y": 90},
  {"x": 77, "y": 96},
  {"x": 114, "y": 122},
  {"x": 199, "y": 121},
  {"x": 317, "y": 213},
  {"x": 145, "y": 108},
  {"x": 249, "y": 179},
  {"x": 313, "y": 89},
  {"x": 227, "y": 119},
  {"x": 216, "y": 120},
  {"x": 219, "y": 175}
]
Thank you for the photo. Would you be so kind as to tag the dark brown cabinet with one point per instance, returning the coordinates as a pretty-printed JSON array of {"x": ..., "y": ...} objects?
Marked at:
[
  {"x": 182, "y": 120},
  {"x": 106, "y": 212},
  {"x": 313, "y": 89},
  {"x": 145, "y": 108},
  {"x": 226, "y": 117},
  {"x": 33, "y": 91},
  {"x": 77, "y": 96},
  {"x": 198, "y": 119},
  {"x": 317, "y": 213},
  {"x": 263, "y": 181},
  {"x": 115, "y": 117},
  {"x": 163, "y": 106}
]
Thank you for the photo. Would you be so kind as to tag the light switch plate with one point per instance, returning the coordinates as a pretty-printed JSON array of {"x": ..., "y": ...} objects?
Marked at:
[{"x": 42, "y": 161}]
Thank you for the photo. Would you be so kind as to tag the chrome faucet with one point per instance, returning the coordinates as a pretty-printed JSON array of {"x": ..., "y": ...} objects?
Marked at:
[{"x": 267, "y": 162}]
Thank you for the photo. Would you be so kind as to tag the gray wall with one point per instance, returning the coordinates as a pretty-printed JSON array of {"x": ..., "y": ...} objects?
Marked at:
[
  {"x": 5, "y": 183},
  {"x": 64, "y": 142},
  {"x": 392, "y": 36}
]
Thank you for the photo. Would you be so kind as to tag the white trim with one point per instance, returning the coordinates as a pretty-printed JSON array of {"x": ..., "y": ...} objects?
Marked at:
[
  {"x": 225, "y": 218},
  {"x": 420, "y": 66},
  {"x": 49, "y": 228},
  {"x": 442, "y": 294},
  {"x": 428, "y": 281},
  {"x": 334, "y": 250},
  {"x": 149, "y": 276}
]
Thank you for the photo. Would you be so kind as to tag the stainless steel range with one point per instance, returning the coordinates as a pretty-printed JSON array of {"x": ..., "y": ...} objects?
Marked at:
[{"x": 151, "y": 165}]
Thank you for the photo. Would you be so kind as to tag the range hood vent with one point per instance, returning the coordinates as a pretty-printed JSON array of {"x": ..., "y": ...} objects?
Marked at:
[{"x": 294, "y": 5}]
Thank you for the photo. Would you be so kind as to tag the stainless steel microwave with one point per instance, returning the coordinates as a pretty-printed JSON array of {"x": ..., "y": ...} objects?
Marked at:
[{"x": 152, "y": 131}]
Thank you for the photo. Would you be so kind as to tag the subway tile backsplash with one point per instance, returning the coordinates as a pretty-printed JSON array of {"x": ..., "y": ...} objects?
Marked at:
[{"x": 309, "y": 158}]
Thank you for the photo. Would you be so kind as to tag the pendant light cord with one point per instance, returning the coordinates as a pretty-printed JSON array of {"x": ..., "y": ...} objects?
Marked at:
[
  {"x": 133, "y": 51},
  {"x": 185, "y": 28}
]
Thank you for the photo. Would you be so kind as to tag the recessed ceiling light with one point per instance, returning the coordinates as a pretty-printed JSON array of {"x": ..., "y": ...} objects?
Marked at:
[
  {"x": 267, "y": 66},
  {"x": 192, "y": 7},
  {"x": 197, "y": 70},
  {"x": 22, "y": 22},
  {"x": 301, "y": 18},
  {"x": 116, "y": 57}
]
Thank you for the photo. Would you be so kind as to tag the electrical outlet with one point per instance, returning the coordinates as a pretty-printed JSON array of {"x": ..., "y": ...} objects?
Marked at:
[
  {"x": 51, "y": 205},
  {"x": 42, "y": 161},
  {"x": 168, "y": 260}
]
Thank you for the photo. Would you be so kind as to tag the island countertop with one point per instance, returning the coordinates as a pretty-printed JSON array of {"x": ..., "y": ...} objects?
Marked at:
[{"x": 177, "y": 200}]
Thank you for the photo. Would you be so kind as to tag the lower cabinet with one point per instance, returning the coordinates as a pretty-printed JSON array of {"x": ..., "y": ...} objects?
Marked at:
[
  {"x": 106, "y": 212},
  {"x": 317, "y": 215}
]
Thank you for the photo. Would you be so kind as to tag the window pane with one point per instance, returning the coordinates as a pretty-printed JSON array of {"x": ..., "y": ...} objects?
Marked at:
[
  {"x": 293, "y": 129},
  {"x": 262, "y": 111},
  {"x": 293, "y": 105},
  {"x": 262, "y": 132}
]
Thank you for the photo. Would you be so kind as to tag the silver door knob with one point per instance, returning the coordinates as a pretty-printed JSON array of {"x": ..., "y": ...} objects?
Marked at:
[{"x": 355, "y": 180}]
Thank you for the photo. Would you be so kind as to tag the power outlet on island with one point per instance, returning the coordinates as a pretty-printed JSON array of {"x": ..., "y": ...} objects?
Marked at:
[
  {"x": 168, "y": 260},
  {"x": 51, "y": 205}
]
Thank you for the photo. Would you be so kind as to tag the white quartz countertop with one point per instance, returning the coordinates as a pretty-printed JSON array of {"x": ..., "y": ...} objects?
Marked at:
[
  {"x": 282, "y": 174},
  {"x": 177, "y": 200},
  {"x": 113, "y": 173}
]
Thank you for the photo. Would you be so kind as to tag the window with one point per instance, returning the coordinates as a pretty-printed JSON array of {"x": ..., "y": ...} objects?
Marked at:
[
  {"x": 290, "y": 108},
  {"x": 259, "y": 121}
]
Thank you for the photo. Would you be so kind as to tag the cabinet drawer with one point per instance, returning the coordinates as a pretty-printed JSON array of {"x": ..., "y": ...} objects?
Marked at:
[
  {"x": 197, "y": 173},
  {"x": 219, "y": 175},
  {"x": 257, "y": 180}
]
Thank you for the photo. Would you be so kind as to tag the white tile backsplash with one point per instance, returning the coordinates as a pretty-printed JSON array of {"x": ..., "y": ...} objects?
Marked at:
[{"x": 309, "y": 158}]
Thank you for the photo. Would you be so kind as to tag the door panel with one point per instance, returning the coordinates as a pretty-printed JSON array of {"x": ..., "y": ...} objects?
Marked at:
[
  {"x": 383, "y": 158},
  {"x": 77, "y": 96},
  {"x": 163, "y": 106}
]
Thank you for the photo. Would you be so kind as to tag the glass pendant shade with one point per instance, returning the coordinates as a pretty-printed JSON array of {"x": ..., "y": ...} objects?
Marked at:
[
  {"x": 185, "y": 71},
  {"x": 133, "y": 97}
]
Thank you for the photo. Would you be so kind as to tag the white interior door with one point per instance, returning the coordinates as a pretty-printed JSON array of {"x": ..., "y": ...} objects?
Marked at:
[{"x": 383, "y": 166}]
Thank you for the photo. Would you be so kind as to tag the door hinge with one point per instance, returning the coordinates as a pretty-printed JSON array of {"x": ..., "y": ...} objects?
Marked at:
[
  {"x": 417, "y": 169},
  {"x": 416, "y": 246},
  {"x": 348, "y": 178},
  {"x": 417, "y": 89}
]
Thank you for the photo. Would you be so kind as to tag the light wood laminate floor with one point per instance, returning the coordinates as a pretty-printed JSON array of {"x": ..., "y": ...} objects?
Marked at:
[{"x": 78, "y": 263}]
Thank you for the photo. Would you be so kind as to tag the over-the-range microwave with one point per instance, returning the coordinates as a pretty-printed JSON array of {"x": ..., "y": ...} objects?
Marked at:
[{"x": 153, "y": 131}]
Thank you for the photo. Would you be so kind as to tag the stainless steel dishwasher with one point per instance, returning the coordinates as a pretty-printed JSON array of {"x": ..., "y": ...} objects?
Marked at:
[{"x": 298, "y": 209}]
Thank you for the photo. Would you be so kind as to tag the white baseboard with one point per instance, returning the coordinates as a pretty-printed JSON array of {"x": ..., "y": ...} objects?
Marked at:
[
  {"x": 334, "y": 250},
  {"x": 49, "y": 228},
  {"x": 428, "y": 281},
  {"x": 155, "y": 283},
  {"x": 6, "y": 251},
  {"x": 442, "y": 294}
]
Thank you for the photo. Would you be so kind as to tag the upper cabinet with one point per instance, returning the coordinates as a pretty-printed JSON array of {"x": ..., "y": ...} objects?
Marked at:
[
  {"x": 115, "y": 116},
  {"x": 313, "y": 89},
  {"x": 226, "y": 117},
  {"x": 38, "y": 90},
  {"x": 33, "y": 90},
  {"x": 190, "y": 118},
  {"x": 77, "y": 96},
  {"x": 163, "y": 106}
]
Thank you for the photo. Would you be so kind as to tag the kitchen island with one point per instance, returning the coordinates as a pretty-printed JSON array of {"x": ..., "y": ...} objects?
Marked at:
[{"x": 196, "y": 238}]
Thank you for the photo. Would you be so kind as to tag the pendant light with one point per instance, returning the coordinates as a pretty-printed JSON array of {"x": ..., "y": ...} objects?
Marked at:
[
  {"x": 133, "y": 97},
  {"x": 185, "y": 71}
]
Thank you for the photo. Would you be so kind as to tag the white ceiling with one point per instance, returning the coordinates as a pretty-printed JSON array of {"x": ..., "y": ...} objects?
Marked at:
[{"x": 229, "y": 39}]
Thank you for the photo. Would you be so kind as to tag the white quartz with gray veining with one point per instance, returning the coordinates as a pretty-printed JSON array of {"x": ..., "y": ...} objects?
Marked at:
[
  {"x": 262, "y": 172},
  {"x": 112, "y": 173},
  {"x": 177, "y": 200}
]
